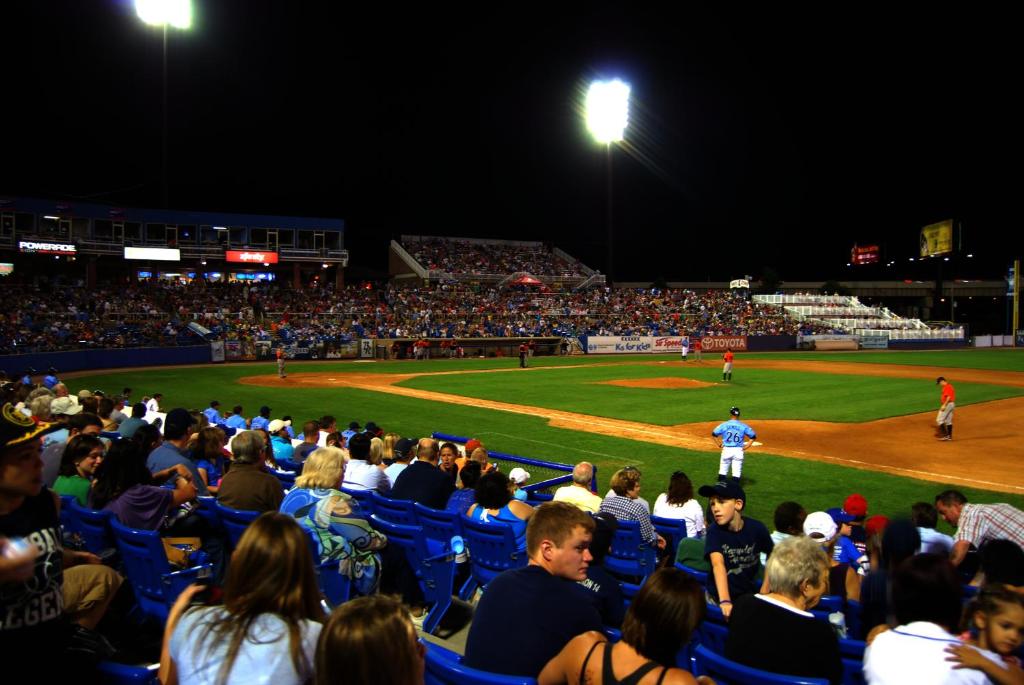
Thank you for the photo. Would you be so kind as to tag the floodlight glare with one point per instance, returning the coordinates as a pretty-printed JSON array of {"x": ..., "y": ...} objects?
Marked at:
[
  {"x": 607, "y": 109},
  {"x": 176, "y": 13}
]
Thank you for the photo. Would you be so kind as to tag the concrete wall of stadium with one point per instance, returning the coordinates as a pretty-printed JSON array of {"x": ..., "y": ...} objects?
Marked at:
[{"x": 84, "y": 360}]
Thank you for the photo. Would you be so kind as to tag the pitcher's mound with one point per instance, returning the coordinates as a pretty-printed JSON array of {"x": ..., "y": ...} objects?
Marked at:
[{"x": 662, "y": 383}]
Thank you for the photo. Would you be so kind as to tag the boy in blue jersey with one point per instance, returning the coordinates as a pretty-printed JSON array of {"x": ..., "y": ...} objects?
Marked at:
[
  {"x": 845, "y": 551},
  {"x": 733, "y": 437}
]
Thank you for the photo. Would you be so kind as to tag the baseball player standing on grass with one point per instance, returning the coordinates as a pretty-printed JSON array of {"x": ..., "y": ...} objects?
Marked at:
[
  {"x": 727, "y": 366},
  {"x": 686, "y": 348},
  {"x": 280, "y": 363},
  {"x": 733, "y": 437},
  {"x": 696, "y": 349},
  {"x": 944, "y": 419}
]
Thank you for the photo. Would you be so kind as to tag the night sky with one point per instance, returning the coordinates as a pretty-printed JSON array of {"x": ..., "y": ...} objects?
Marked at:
[{"x": 770, "y": 137}]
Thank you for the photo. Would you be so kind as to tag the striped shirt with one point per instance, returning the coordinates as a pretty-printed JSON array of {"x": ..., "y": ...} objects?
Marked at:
[{"x": 980, "y": 523}]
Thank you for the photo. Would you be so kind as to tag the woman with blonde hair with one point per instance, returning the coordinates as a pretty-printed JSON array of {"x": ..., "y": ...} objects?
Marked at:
[
  {"x": 377, "y": 453},
  {"x": 390, "y": 439},
  {"x": 335, "y": 520},
  {"x": 369, "y": 640},
  {"x": 269, "y": 624}
]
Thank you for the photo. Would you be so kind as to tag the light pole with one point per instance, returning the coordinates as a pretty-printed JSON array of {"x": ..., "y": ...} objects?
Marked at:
[
  {"x": 607, "y": 115},
  {"x": 164, "y": 13}
]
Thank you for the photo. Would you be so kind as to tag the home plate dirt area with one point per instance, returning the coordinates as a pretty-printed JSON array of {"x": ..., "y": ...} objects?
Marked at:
[{"x": 987, "y": 452}]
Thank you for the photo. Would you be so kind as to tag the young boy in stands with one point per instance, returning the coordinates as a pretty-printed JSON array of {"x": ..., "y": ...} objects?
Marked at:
[{"x": 733, "y": 546}]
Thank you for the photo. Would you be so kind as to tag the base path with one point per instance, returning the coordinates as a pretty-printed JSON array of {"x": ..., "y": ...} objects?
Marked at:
[{"x": 979, "y": 455}]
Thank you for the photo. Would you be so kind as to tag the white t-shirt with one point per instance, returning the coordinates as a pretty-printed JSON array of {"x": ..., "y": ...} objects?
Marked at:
[
  {"x": 691, "y": 512},
  {"x": 263, "y": 658},
  {"x": 152, "y": 405},
  {"x": 916, "y": 653}
]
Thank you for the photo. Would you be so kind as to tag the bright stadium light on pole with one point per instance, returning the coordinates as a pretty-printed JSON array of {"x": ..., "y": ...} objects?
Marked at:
[
  {"x": 607, "y": 115},
  {"x": 163, "y": 13}
]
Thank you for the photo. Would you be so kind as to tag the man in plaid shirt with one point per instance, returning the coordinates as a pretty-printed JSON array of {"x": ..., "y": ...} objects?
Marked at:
[
  {"x": 978, "y": 523},
  {"x": 623, "y": 505}
]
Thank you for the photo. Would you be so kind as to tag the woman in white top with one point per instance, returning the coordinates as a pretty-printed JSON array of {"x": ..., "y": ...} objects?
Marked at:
[
  {"x": 678, "y": 503},
  {"x": 267, "y": 629}
]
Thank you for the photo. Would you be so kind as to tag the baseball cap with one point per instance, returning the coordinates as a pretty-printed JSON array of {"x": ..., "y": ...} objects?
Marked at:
[
  {"x": 64, "y": 406},
  {"x": 735, "y": 411},
  {"x": 17, "y": 429},
  {"x": 177, "y": 422},
  {"x": 372, "y": 428},
  {"x": 264, "y": 410},
  {"x": 723, "y": 490},
  {"x": 471, "y": 445},
  {"x": 276, "y": 425},
  {"x": 214, "y": 403},
  {"x": 876, "y": 524},
  {"x": 839, "y": 516},
  {"x": 856, "y": 505},
  {"x": 820, "y": 526},
  {"x": 518, "y": 475},
  {"x": 402, "y": 447},
  {"x": 82, "y": 394}
]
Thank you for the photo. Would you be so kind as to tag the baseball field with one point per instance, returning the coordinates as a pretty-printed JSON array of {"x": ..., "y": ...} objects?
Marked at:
[{"x": 830, "y": 423}]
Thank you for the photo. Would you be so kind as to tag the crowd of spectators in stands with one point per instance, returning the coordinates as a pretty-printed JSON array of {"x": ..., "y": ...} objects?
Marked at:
[
  {"x": 907, "y": 577},
  {"x": 46, "y": 317},
  {"x": 465, "y": 257}
]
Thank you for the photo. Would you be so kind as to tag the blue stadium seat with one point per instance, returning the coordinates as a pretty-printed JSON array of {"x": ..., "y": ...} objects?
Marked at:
[
  {"x": 630, "y": 555},
  {"x": 700, "y": 576},
  {"x": 234, "y": 522},
  {"x": 112, "y": 436},
  {"x": 444, "y": 667},
  {"x": 852, "y": 653},
  {"x": 726, "y": 672},
  {"x": 830, "y": 603},
  {"x": 286, "y": 478},
  {"x": 156, "y": 584},
  {"x": 400, "y": 511},
  {"x": 438, "y": 524},
  {"x": 854, "y": 625},
  {"x": 629, "y": 591},
  {"x": 113, "y": 673},
  {"x": 673, "y": 530},
  {"x": 334, "y": 586},
  {"x": 492, "y": 550},
  {"x": 208, "y": 510},
  {"x": 94, "y": 527},
  {"x": 364, "y": 497},
  {"x": 712, "y": 635},
  {"x": 433, "y": 564},
  {"x": 289, "y": 465}
]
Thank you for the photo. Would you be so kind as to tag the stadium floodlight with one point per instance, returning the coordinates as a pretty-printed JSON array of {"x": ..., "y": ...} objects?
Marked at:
[
  {"x": 607, "y": 108},
  {"x": 176, "y": 13}
]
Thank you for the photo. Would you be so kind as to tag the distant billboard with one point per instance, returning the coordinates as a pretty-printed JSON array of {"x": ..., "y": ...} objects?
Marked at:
[
  {"x": 864, "y": 254},
  {"x": 251, "y": 256},
  {"x": 38, "y": 247},
  {"x": 6, "y": 268},
  {"x": 937, "y": 239},
  {"x": 156, "y": 254}
]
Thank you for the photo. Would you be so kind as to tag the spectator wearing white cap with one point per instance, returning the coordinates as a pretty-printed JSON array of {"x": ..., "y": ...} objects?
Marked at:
[
  {"x": 518, "y": 477},
  {"x": 61, "y": 409},
  {"x": 279, "y": 439},
  {"x": 843, "y": 580}
]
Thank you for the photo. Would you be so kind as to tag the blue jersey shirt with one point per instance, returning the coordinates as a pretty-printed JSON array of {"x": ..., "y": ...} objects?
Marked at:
[
  {"x": 732, "y": 432},
  {"x": 259, "y": 422},
  {"x": 49, "y": 381},
  {"x": 236, "y": 421},
  {"x": 213, "y": 416}
]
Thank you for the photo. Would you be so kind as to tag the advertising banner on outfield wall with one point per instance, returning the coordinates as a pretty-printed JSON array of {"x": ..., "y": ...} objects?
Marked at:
[
  {"x": 668, "y": 343},
  {"x": 217, "y": 351},
  {"x": 721, "y": 343},
  {"x": 625, "y": 344}
]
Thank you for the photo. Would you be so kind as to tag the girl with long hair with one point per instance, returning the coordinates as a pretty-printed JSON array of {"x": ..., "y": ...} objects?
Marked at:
[{"x": 268, "y": 626}]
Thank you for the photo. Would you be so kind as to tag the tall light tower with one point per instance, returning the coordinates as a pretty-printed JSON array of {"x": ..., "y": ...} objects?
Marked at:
[
  {"x": 163, "y": 13},
  {"x": 607, "y": 114}
]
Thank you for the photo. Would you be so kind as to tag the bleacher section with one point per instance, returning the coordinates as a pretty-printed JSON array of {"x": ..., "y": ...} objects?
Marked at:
[
  {"x": 847, "y": 313},
  {"x": 488, "y": 261}
]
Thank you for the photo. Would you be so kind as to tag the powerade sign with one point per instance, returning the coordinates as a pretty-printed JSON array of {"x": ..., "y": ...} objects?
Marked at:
[{"x": 33, "y": 247}]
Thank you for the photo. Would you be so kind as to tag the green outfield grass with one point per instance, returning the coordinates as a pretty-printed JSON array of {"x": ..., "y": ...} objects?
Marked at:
[
  {"x": 1006, "y": 359},
  {"x": 769, "y": 479},
  {"x": 762, "y": 393}
]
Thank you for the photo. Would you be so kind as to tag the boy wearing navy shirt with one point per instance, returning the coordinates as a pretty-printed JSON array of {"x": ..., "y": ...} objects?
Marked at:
[{"x": 733, "y": 545}]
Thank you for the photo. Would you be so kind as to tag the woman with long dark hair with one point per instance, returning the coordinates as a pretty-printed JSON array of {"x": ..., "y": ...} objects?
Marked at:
[
  {"x": 679, "y": 503},
  {"x": 660, "y": 620},
  {"x": 266, "y": 630}
]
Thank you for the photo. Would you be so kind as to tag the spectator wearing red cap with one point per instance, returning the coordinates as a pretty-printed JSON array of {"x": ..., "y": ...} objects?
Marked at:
[{"x": 856, "y": 506}]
